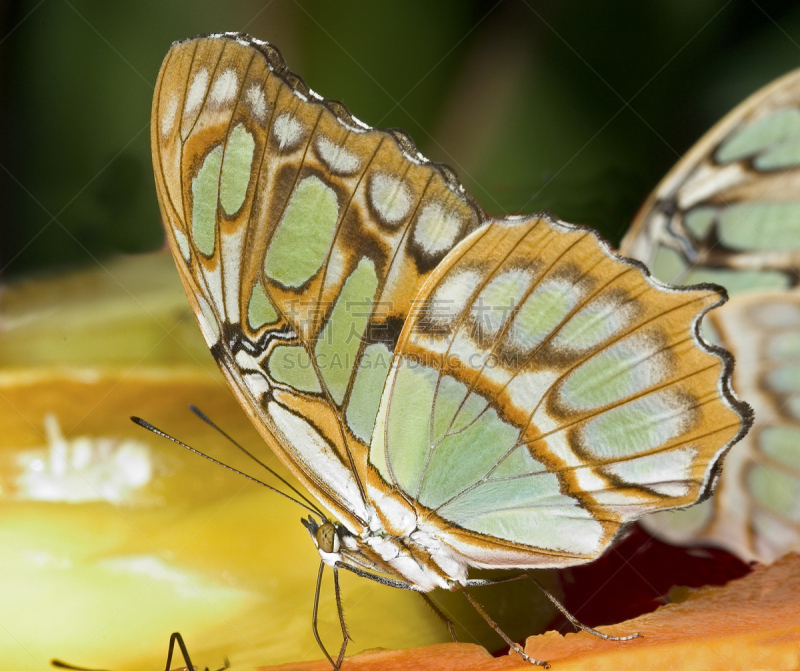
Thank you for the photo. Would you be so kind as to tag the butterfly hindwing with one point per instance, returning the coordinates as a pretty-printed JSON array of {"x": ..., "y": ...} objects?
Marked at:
[
  {"x": 756, "y": 509},
  {"x": 546, "y": 392},
  {"x": 302, "y": 237}
]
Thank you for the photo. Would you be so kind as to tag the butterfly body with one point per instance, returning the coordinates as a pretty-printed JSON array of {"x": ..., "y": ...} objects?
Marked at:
[
  {"x": 455, "y": 391},
  {"x": 418, "y": 558}
]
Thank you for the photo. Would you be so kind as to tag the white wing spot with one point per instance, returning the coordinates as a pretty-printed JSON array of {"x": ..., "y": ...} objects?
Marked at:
[
  {"x": 452, "y": 296},
  {"x": 527, "y": 389},
  {"x": 436, "y": 229},
  {"x": 197, "y": 91},
  {"x": 639, "y": 426},
  {"x": 168, "y": 117},
  {"x": 245, "y": 360},
  {"x": 596, "y": 323},
  {"x": 256, "y": 383},
  {"x": 499, "y": 298},
  {"x": 225, "y": 87},
  {"x": 623, "y": 369},
  {"x": 183, "y": 243},
  {"x": 257, "y": 101},
  {"x": 390, "y": 197},
  {"x": 208, "y": 322},
  {"x": 288, "y": 131},
  {"x": 667, "y": 473},
  {"x": 541, "y": 313},
  {"x": 338, "y": 160}
]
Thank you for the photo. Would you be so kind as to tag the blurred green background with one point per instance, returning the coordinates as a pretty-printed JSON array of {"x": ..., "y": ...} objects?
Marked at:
[{"x": 575, "y": 107}]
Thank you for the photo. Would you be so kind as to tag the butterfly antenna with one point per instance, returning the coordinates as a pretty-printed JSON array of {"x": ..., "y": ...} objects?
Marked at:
[
  {"x": 299, "y": 494},
  {"x": 146, "y": 425}
]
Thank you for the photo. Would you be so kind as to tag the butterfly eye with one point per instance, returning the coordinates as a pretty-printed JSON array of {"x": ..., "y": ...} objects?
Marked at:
[{"x": 327, "y": 540}]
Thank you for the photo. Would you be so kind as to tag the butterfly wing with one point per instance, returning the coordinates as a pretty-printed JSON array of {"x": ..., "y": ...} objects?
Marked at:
[
  {"x": 729, "y": 212},
  {"x": 301, "y": 237},
  {"x": 756, "y": 508},
  {"x": 544, "y": 393}
]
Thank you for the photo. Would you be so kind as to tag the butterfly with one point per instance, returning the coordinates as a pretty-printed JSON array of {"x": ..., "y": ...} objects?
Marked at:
[
  {"x": 453, "y": 390},
  {"x": 729, "y": 212},
  {"x": 174, "y": 639}
]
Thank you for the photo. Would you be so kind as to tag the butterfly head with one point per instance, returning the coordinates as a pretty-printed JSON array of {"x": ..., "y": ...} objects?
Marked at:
[{"x": 325, "y": 536}]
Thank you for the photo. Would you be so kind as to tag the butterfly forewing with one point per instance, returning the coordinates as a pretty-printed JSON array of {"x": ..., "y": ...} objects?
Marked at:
[
  {"x": 547, "y": 392},
  {"x": 729, "y": 213},
  {"x": 302, "y": 237}
]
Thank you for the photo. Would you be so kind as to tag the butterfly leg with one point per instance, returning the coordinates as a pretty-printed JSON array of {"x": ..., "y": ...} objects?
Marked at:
[
  {"x": 345, "y": 633},
  {"x": 389, "y": 582},
  {"x": 177, "y": 638},
  {"x": 446, "y": 620},
  {"x": 398, "y": 584},
  {"x": 314, "y": 628},
  {"x": 572, "y": 619},
  {"x": 514, "y": 646}
]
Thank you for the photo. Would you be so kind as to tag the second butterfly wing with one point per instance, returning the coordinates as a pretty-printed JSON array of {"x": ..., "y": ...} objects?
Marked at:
[{"x": 729, "y": 212}]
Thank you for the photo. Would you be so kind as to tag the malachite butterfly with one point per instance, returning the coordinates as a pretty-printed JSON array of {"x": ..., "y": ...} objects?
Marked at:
[
  {"x": 729, "y": 212},
  {"x": 454, "y": 390}
]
